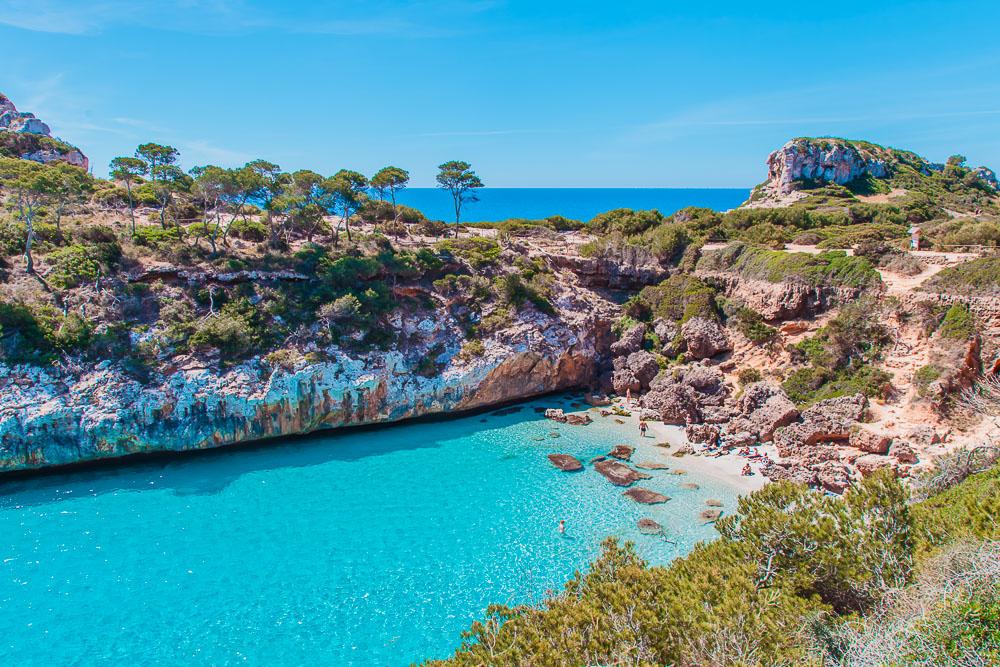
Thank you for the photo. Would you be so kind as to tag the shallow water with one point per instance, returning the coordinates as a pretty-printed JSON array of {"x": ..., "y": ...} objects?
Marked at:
[{"x": 364, "y": 547}]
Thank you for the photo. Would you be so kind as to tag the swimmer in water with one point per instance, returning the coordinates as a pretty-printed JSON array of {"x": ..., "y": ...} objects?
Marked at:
[{"x": 562, "y": 525}]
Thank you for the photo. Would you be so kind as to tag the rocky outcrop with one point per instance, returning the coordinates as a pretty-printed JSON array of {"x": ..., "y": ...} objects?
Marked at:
[
  {"x": 987, "y": 176},
  {"x": 831, "y": 420},
  {"x": 704, "y": 338},
  {"x": 783, "y": 300},
  {"x": 826, "y": 160},
  {"x": 28, "y": 138},
  {"x": 762, "y": 409},
  {"x": 621, "y": 452}
]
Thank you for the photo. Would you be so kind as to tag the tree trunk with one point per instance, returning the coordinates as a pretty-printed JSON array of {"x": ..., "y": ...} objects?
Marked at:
[
  {"x": 29, "y": 262},
  {"x": 131, "y": 205}
]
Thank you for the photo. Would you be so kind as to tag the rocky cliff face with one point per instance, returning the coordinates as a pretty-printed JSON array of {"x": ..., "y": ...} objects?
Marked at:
[
  {"x": 22, "y": 133},
  {"x": 831, "y": 161},
  {"x": 48, "y": 417}
]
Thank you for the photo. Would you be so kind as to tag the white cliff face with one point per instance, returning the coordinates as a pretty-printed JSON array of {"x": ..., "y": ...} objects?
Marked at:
[
  {"x": 51, "y": 418},
  {"x": 828, "y": 161}
]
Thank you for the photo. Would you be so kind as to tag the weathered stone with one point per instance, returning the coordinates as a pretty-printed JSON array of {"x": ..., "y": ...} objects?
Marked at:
[
  {"x": 766, "y": 408},
  {"x": 565, "y": 462},
  {"x": 622, "y": 452},
  {"x": 643, "y": 366},
  {"x": 674, "y": 403},
  {"x": 843, "y": 409},
  {"x": 645, "y": 496},
  {"x": 652, "y": 465},
  {"x": 555, "y": 414},
  {"x": 624, "y": 381},
  {"x": 710, "y": 514},
  {"x": 713, "y": 502},
  {"x": 666, "y": 330},
  {"x": 870, "y": 441},
  {"x": 631, "y": 341},
  {"x": 869, "y": 463},
  {"x": 790, "y": 471},
  {"x": 833, "y": 476},
  {"x": 704, "y": 338},
  {"x": 618, "y": 473},
  {"x": 702, "y": 433},
  {"x": 578, "y": 419},
  {"x": 903, "y": 453},
  {"x": 690, "y": 486}
]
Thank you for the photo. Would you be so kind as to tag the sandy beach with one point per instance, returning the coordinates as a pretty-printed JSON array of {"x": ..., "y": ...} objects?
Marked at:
[{"x": 727, "y": 469}]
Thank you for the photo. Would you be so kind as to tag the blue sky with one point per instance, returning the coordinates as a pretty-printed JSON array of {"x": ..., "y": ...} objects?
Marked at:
[{"x": 556, "y": 93}]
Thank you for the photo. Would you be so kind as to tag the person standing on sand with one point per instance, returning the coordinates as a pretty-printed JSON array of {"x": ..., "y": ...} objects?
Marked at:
[
  {"x": 642, "y": 428},
  {"x": 628, "y": 397}
]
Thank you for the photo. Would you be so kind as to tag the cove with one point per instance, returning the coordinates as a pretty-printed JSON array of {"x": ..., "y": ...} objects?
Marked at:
[{"x": 366, "y": 547}]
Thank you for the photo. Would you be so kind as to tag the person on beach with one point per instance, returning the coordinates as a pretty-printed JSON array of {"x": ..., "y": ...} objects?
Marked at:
[
  {"x": 747, "y": 470},
  {"x": 642, "y": 428},
  {"x": 628, "y": 397},
  {"x": 562, "y": 525}
]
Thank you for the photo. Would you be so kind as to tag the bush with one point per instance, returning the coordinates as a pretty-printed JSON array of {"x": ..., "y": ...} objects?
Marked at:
[
  {"x": 678, "y": 298},
  {"x": 979, "y": 277},
  {"x": 471, "y": 349},
  {"x": 72, "y": 266},
  {"x": 748, "y": 376},
  {"x": 828, "y": 268},
  {"x": 248, "y": 229},
  {"x": 958, "y": 323},
  {"x": 924, "y": 376},
  {"x": 157, "y": 238},
  {"x": 236, "y": 330},
  {"x": 626, "y": 221},
  {"x": 751, "y": 324}
]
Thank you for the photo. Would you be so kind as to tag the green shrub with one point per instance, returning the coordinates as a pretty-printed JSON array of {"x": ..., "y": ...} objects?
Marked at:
[
  {"x": 828, "y": 268},
  {"x": 478, "y": 251},
  {"x": 748, "y": 376},
  {"x": 977, "y": 277},
  {"x": 72, "y": 266},
  {"x": 471, "y": 349},
  {"x": 678, "y": 298},
  {"x": 958, "y": 323},
  {"x": 238, "y": 329},
  {"x": 924, "y": 376},
  {"x": 626, "y": 221},
  {"x": 751, "y": 324},
  {"x": 248, "y": 229},
  {"x": 157, "y": 238}
]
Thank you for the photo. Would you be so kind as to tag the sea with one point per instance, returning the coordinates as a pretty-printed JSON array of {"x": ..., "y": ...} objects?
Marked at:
[
  {"x": 582, "y": 204},
  {"x": 373, "y": 546}
]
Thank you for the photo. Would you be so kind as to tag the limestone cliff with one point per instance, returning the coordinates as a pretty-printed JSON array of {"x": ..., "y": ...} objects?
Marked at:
[
  {"x": 24, "y": 136},
  {"x": 52, "y": 416}
]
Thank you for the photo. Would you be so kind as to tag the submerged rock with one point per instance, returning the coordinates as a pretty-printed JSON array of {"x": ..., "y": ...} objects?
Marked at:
[
  {"x": 711, "y": 515},
  {"x": 646, "y": 496},
  {"x": 652, "y": 465},
  {"x": 618, "y": 473},
  {"x": 578, "y": 419},
  {"x": 622, "y": 452},
  {"x": 565, "y": 462},
  {"x": 649, "y": 527}
]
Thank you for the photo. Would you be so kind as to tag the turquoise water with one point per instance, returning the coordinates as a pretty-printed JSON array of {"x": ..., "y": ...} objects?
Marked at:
[
  {"x": 576, "y": 203},
  {"x": 366, "y": 547}
]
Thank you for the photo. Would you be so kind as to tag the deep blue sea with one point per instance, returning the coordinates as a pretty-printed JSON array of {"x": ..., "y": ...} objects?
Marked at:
[
  {"x": 361, "y": 547},
  {"x": 576, "y": 203}
]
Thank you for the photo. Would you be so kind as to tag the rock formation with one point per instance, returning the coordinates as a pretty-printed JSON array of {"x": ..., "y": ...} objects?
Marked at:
[
  {"x": 565, "y": 462},
  {"x": 24, "y": 136}
]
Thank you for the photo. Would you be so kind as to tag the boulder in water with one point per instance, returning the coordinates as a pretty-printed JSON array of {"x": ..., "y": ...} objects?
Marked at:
[
  {"x": 645, "y": 496},
  {"x": 649, "y": 527},
  {"x": 565, "y": 462},
  {"x": 623, "y": 452},
  {"x": 618, "y": 473}
]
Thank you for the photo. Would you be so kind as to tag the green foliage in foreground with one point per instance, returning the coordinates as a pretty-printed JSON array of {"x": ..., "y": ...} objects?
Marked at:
[
  {"x": 790, "y": 566},
  {"x": 834, "y": 269},
  {"x": 978, "y": 277}
]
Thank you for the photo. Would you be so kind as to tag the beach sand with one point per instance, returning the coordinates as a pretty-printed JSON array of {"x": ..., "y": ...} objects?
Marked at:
[{"x": 727, "y": 469}]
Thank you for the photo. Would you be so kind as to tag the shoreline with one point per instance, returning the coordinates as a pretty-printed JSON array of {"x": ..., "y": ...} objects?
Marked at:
[{"x": 726, "y": 469}]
